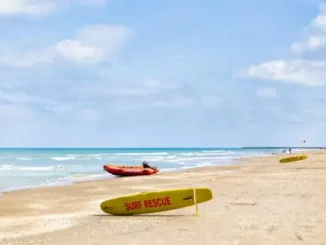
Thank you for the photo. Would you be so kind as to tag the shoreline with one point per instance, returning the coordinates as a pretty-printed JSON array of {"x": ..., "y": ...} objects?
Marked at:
[
  {"x": 71, "y": 177},
  {"x": 236, "y": 163},
  {"x": 233, "y": 162},
  {"x": 109, "y": 176}
]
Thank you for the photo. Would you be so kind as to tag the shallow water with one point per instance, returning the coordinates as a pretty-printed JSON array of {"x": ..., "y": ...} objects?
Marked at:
[{"x": 26, "y": 168}]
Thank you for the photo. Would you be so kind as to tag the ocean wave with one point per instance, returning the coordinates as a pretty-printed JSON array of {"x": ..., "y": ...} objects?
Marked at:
[
  {"x": 98, "y": 155},
  {"x": 26, "y": 158},
  {"x": 155, "y": 158},
  {"x": 142, "y": 154},
  {"x": 193, "y": 154},
  {"x": 149, "y": 159},
  {"x": 5, "y": 167},
  {"x": 204, "y": 164},
  {"x": 77, "y": 157},
  {"x": 171, "y": 162},
  {"x": 207, "y": 153},
  {"x": 168, "y": 170},
  {"x": 187, "y": 159},
  {"x": 216, "y": 151},
  {"x": 63, "y": 158}
]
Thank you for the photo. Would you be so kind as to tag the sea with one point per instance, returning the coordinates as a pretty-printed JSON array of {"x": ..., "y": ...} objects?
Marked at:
[{"x": 22, "y": 168}]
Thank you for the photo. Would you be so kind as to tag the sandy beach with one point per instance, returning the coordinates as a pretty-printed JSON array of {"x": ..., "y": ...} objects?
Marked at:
[{"x": 256, "y": 201}]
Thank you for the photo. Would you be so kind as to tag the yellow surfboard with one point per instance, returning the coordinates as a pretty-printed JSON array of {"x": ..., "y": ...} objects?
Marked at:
[
  {"x": 293, "y": 159},
  {"x": 156, "y": 201}
]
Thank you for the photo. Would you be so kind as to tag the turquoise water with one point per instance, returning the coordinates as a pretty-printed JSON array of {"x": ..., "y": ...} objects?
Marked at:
[{"x": 26, "y": 168}]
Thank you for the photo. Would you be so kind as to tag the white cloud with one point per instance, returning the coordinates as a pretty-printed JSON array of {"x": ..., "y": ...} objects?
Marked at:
[
  {"x": 268, "y": 93},
  {"x": 93, "y": 44},
  {"x": 19, "y": 97},
  {"x": 25, "y": 7},
  {"x": 39, "y": 7},
  {"x": 76, "y": 51},
  {"x": 298, "y": 70},
  {"x": 130, "y": 90},
  {"x": 28, "y": 59},
  {"x": 14, "y": 102},
  {"x": 311, "y": 44},
  {"x": 315, "y": 34},
  {"x": 320, "y": 21},
  {"x": 143, "y": 94}
]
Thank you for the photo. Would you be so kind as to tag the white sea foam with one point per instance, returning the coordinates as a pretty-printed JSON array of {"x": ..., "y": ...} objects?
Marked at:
[
  {"x": 63, "y": 158},
  {"x": 35, "y": 168},
  {"x": 216, "y": 151},
  {"x": 204, "y": 164},
  {"x": 168, "y": 169},
  {"x": 189, "y": 159},
  {"x": 79, "y": 157},
  {"x": 141, "y": 154},
  {"x": 98, "y": 155},
  {"x": 26, "y": 158},
  {"x": 5, "y": 167},
  {"x": 150, "y": 159},
  {"x": 206, "y": 154}
]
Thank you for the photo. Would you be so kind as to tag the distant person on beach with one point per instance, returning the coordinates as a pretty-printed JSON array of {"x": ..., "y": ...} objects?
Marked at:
[
  {"x": 290, "y": 150},
  {"x": 146, "y": 165}
]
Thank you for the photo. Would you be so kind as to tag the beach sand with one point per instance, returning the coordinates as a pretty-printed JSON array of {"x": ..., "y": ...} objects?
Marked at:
[{"x": 256, "y": 201}]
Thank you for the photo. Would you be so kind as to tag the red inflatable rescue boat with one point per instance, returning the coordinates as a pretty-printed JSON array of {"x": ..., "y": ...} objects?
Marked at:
[{"x": 129, "y": 170}]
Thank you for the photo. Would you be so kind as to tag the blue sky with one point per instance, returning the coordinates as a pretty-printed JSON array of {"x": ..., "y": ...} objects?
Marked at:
[{"x": 177, "y": 73}]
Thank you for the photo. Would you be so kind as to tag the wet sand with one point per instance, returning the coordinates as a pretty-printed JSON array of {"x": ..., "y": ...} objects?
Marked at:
[{"x": 256, "y": 201}]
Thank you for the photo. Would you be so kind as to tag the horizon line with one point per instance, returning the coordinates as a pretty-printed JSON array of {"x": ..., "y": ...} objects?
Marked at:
[{"x": 161, "y": 147}]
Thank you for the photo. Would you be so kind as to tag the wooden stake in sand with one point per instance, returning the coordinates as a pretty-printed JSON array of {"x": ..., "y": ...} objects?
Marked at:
[{"x": 195, "y": 201}]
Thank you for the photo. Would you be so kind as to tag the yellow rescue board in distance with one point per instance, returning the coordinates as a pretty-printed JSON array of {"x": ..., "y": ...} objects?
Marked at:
[
  {"x": 293, "y": 159},
  {"x": 156, "y": 201}
]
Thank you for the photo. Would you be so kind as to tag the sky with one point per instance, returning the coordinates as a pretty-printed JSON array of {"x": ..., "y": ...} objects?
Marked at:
[{"x": 172, "y": 73}]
